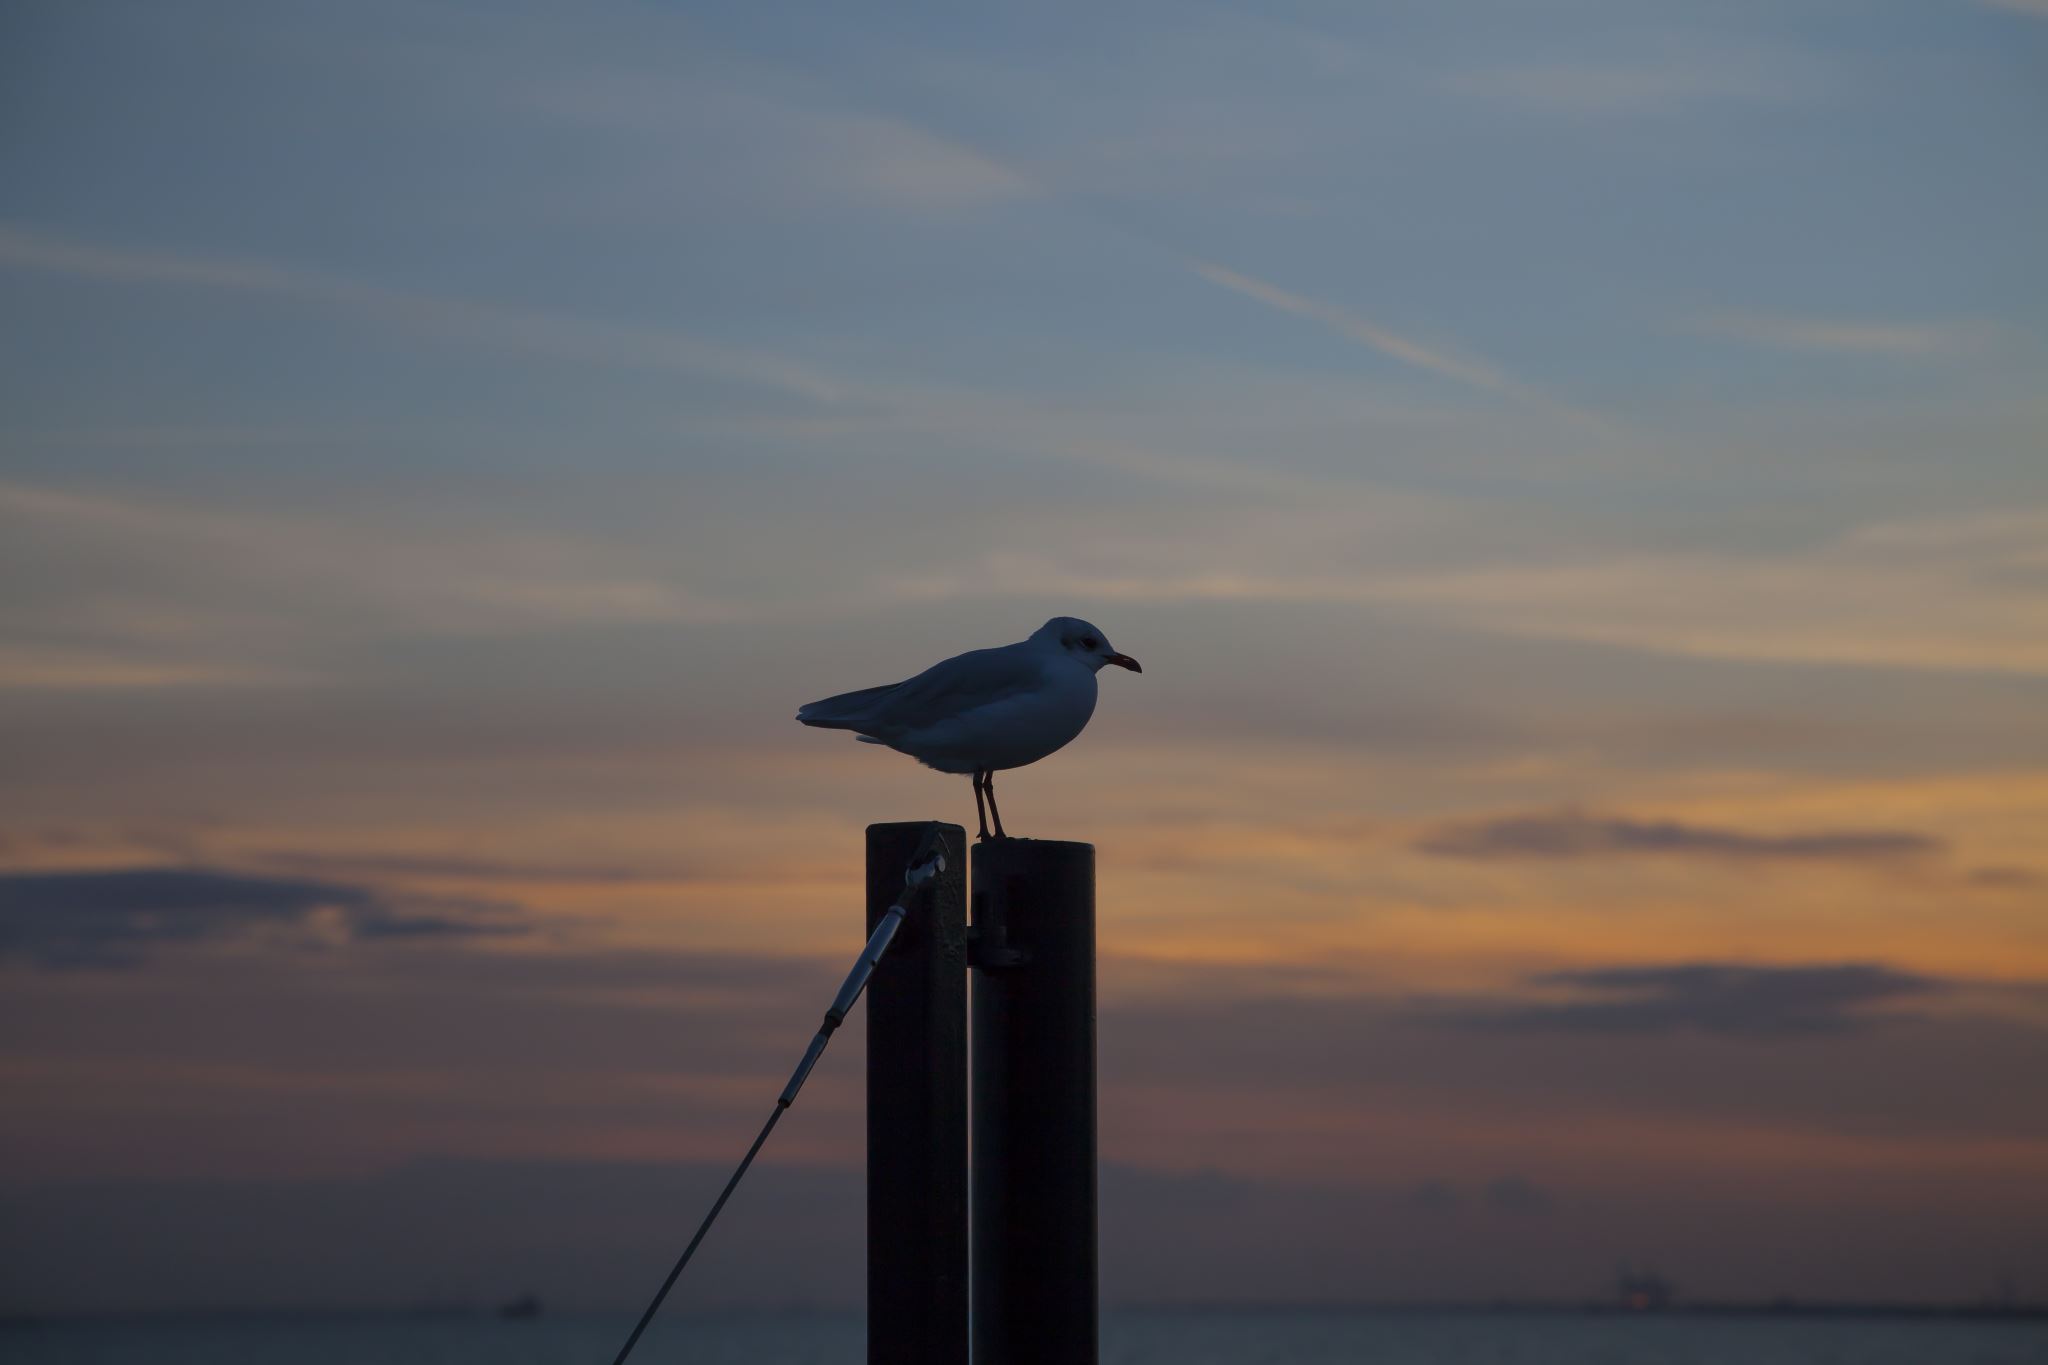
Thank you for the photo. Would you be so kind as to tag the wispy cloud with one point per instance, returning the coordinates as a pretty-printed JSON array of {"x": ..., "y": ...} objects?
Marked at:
[
  {"x": 1408, "y": 351},
  {"x": 445, "y": 867},
  {"x": 1645, "y": 84},
  {"x": 139, "y": 590},
  {"x": 1576, "y": 834},
  {"x": 1960, "y": 593},
  {"x": 1843, "y": 336},
  {"x": 2037, "y": 8},
  {"x": 1587, "y": 427},
  {"x": 1937, "y": 593},
  {"x": 2004, "y": 878},
  {"x": 805, "y": 151},
  {"x": 661, "y": 92},
  {"x": 27, "y": 667},
  {"x": 119, "y": 918},
  {"x": 477, "y": 323},
  {"x": 496, "y": 579},
  {"x": 914, "y": 166},
  {"x": 1732, "y": 1000}
]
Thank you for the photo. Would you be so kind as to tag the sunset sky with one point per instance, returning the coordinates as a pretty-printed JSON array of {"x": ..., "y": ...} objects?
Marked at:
[{"x": 1576, "y": 476}]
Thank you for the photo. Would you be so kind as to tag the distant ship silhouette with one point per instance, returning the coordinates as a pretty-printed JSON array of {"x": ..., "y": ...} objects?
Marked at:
[
  {"x": 1643, "y": 1292},
  {"x": 525, "y": 1306}
]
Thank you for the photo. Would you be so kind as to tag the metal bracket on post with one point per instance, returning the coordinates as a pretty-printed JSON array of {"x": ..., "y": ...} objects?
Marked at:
[{"x": 989, "y": 949}]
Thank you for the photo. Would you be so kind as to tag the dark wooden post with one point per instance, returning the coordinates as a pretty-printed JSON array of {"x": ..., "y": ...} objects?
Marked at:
[
  {"x": 1034, "y": 1103},
  {"x": 917, "y": 1110}
]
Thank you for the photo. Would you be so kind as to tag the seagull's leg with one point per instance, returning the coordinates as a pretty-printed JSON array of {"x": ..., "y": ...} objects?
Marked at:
[
  {"x": 988, "y": 780},
  {"x": 980, "y": 814}
]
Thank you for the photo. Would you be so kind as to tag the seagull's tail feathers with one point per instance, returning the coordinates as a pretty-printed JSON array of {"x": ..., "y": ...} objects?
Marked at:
[{"x": 847, "y": 711}]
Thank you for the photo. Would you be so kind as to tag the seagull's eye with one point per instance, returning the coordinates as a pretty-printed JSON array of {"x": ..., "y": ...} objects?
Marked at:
[{"x": 1088, "y": 642}]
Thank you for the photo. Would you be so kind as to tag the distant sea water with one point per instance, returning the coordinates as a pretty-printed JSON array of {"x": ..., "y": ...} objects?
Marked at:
[{"x": 1197, "y": 1337}]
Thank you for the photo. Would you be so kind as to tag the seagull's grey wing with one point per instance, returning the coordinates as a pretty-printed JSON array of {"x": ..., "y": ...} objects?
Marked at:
[
  {"x": 847, "y": 711},
  {"x": 960, "y": 684}
]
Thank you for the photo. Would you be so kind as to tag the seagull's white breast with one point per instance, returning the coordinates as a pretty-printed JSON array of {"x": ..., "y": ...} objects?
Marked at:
[{"x": 1011, "y": 730}]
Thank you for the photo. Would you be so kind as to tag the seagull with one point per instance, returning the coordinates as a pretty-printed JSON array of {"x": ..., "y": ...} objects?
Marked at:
[{"x": 985, "y": 710}]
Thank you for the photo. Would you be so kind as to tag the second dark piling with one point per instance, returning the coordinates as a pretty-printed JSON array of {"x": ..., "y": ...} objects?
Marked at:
[{"x": 1033, "y": 1049}]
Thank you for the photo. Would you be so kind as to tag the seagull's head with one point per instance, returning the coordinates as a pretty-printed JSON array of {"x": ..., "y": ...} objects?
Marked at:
[{"x": 1084, "y": 643}]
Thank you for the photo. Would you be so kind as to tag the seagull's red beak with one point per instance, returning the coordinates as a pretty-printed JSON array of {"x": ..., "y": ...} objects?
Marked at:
[{"x": 1124, "y": 661}]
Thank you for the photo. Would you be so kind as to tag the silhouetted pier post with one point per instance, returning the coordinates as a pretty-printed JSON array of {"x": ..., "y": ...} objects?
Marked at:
[
  {"x": 1034, "y": 1103},
  {"x": 917, "y": 1110}
]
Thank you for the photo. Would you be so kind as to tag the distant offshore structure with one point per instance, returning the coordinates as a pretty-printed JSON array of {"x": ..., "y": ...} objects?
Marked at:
[
  {"x": 527, "y": 1305},
  {"x": 1644, "y": 1291}
]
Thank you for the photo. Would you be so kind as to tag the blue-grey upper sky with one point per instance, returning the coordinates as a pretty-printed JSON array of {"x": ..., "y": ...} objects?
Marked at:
[{"x": 1545, "y": 286}]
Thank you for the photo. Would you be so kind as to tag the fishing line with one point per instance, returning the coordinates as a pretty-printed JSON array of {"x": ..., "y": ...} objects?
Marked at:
[{"x": 928, "y": 862}]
